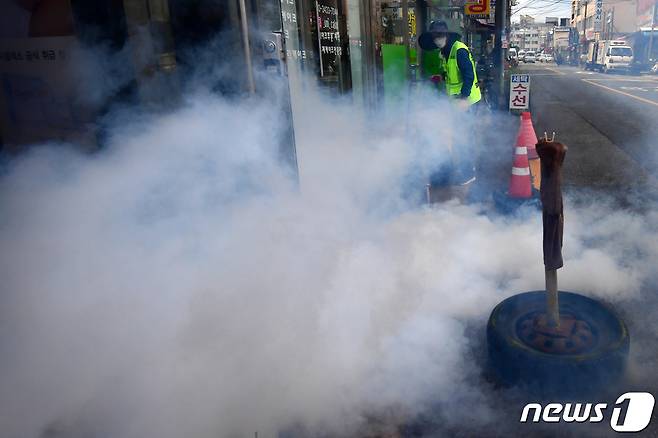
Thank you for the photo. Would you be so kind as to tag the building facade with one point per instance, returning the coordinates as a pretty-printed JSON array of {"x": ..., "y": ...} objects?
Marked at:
[
  {"x": 364, "y": 49},
  {"x": 529, "y": 35},
  {"x": 603, "y": 19}
]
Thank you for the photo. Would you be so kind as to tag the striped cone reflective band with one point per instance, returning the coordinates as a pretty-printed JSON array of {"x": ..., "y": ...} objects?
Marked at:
[
  {"x": 527, "y": 136},
  {"x": 520, "y": 172},
  {"x": 520, "y": 184}
]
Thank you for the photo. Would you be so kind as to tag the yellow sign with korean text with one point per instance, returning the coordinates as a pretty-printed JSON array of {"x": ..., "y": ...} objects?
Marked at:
[{"x": 478, "y": 7}]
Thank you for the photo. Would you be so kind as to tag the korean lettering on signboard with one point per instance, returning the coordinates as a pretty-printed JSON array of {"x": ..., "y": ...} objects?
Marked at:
[
  {"x": 412, "y": 25},
  {"x": 598, "y": 13},
  {"x": 519, "y": 96},
  {"x": 477, "y": 8},
  {"x": 294, "y": 54},
  {"x": 328, "y": 37},
  {"x": 39, "y": 97}
]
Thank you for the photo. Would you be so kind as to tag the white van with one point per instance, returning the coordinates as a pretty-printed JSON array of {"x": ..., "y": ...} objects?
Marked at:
[{"x": 529, "y": 57}]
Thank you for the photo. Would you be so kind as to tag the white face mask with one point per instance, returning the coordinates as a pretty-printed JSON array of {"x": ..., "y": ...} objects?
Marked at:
[{"x": 440, "y": 42}]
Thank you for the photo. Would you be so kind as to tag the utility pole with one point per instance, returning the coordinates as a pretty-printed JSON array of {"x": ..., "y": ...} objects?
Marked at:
[
  {"x": 501, "y": 23},
  {"x": 405, "y": 38},
  {"x": 653, "y": 27},
  {"x": 585, "y": 26},
  {"x": 246, "y": 47}
]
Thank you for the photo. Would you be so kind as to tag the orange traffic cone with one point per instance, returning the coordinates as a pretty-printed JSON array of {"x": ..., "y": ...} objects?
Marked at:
[
  {"x": 528, "y": 138},
  {"x": 519, "y": 185}
]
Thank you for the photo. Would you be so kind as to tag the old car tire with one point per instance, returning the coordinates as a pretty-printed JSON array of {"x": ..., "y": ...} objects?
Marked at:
[{"x": 514, "y": 362}]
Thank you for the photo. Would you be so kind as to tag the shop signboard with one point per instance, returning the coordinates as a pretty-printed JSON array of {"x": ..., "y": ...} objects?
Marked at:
[
  {"x": 598, "y": 14},
  {"x": 43, "y": 89},
  {"x": 519, "y": 96},
  {"x": 477, "y": 8}
]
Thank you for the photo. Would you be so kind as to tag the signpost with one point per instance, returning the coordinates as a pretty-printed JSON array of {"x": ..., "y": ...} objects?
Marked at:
[{"x": 519, "y": 96}]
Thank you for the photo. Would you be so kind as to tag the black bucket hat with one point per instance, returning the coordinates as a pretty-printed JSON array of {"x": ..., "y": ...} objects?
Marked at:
[{"x": 426, "y": 39}]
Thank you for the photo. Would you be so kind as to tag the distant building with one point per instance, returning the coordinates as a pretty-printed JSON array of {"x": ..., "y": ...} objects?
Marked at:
[
  {"x": 645, "y": 10},
  {"x": 603, "y": 19},
  {"x": 529, "y": 35},
  {"x": 526, "y": 20},
  {"x": 619, "y": 18}
]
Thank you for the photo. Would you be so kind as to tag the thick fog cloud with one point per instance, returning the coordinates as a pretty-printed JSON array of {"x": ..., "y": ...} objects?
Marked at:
[{"x": 179, "y": 283}]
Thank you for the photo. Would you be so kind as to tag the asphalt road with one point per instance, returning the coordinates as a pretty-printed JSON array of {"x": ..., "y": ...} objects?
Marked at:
[{"x": 608, "y": 121}]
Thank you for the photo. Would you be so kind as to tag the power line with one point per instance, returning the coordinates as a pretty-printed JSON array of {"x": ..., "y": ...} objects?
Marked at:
[{"x": 531, "y": 3}]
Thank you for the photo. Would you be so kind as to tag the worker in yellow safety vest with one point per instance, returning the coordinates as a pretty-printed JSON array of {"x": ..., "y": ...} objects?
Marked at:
[
  {"x": 460, "y": 75},
  {"x": 457, "y": 175}
]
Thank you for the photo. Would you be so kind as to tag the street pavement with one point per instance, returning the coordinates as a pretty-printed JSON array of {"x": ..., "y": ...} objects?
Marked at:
[{"x": 608, "y": 121}]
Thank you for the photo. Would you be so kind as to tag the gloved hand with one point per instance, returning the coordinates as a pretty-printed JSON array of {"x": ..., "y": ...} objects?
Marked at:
[{"x": 436, "y": 79}]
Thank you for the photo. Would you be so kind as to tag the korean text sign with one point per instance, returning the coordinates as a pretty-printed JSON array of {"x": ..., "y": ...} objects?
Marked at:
[
  {"x": 477, "y": 8},
  {"x": 519, "y": 93}
]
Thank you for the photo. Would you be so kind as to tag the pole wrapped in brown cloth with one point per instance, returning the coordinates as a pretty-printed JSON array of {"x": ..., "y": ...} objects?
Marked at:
[{"x": 552, "y": 156}]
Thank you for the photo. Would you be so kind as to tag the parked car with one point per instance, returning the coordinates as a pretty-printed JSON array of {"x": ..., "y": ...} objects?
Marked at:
[
  {"x": 541, "y": 57},
  {"x": 521, "y": 55},
  {"x": 513, "y": 57},
  {"x": 548, "y": 58},
  {"x": 529, "y": 57}
]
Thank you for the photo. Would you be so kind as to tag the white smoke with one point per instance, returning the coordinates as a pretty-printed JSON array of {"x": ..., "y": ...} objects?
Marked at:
[{"x": 178, "y": 283}]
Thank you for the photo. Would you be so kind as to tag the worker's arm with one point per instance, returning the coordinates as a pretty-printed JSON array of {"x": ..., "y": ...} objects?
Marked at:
[
  {"x": 440, "y": 73},
  {"x": 466, "y": 70}
]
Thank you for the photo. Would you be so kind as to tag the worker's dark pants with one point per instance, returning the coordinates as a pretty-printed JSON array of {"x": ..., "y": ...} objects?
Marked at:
[{"x": 460, "y": 169}]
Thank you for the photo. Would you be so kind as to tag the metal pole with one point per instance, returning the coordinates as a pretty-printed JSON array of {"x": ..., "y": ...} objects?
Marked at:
[
  {"x": 501, "y": 22},
  {"x": 552, "y": 306},
  {"x": 552, "y": 156},
  {"x": 247, "y": 50},
  {"x": 585, "y": 27},
  {"x": 319, "y": 23},
  {"x": 421, "y": 19},
  {"x": 653, "y": 26},
  {"x": 405, "y": 37}
]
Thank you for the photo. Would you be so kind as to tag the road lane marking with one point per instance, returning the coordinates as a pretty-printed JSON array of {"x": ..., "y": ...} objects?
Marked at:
[
  {"x": 626, "y": 80},
  {"x": 646, "y": 90},
  {"x": 641, "y": 99},
  {"x": 555, "y": 70}
]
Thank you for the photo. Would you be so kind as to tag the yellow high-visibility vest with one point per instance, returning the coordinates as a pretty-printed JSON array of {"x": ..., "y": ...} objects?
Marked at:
[{"x": 454, "y": 80}]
